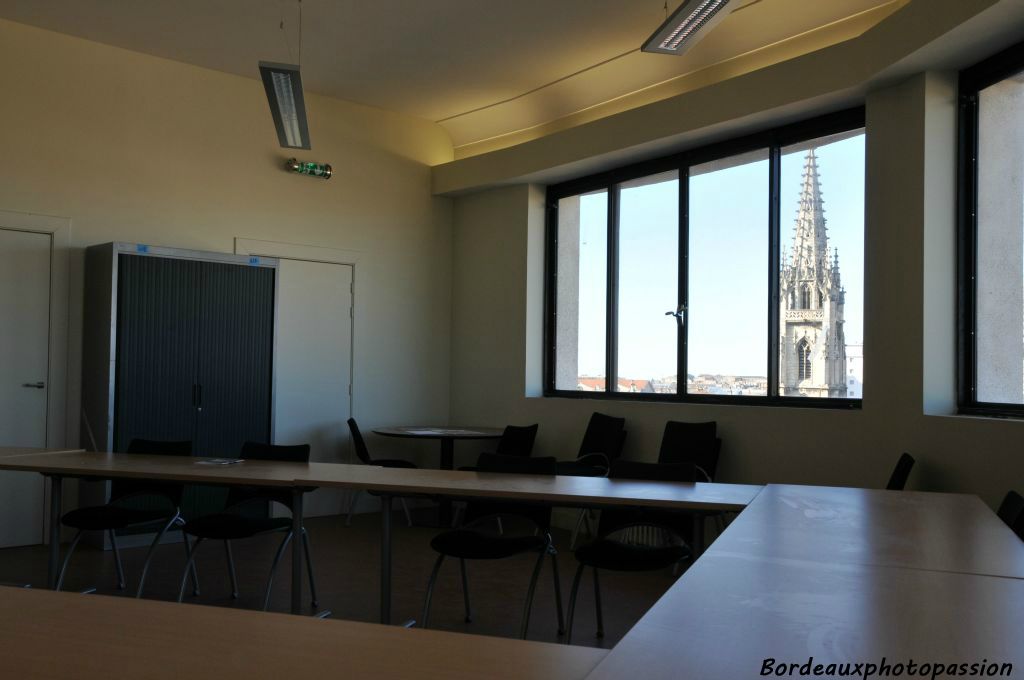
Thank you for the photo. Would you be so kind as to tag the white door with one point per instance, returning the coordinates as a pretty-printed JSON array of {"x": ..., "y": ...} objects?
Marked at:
[
  {"x": 313, "y": 366},
  {"x": 24, "y": 352}
]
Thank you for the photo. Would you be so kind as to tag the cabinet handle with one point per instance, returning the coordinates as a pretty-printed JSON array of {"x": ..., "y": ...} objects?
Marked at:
[{"x": 36, "y": 385}]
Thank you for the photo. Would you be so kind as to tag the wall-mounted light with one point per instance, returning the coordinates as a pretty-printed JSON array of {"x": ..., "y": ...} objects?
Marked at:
[
  {"x": 308, "y": 168},
  {"x": 284, "y": 92},
  {"x": 687, "y": 25}
]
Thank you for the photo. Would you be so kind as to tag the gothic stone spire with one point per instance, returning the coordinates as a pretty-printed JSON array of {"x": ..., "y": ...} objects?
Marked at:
[{"x": 810, "y": 242}]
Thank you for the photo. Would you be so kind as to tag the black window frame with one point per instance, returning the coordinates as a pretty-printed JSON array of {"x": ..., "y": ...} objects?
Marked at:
[
  {"x": 972, "y": 81},
  {"x": 774, "y": 140}
]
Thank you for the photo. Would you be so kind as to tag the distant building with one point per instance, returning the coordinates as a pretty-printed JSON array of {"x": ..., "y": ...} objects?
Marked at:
[
  {"x": 812, "y": 361},
  {"x": 855, "y": 371}
]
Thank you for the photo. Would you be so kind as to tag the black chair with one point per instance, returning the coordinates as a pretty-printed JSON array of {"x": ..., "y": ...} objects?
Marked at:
[
  {"x": 634, "y": 539},
  {"x": 163, "y": 513},
  {"x": 238, "y": 521},
  {"x": 898, "y": 478},
  {"x": 517, "y": 440},
  {"x": 1011, "y": 511},
  {"x": 696, "y": 443},
  {"x": 602, "y": 443},
  {"x": 363, "y": 454},
  {"x": 477, "y": 538}
]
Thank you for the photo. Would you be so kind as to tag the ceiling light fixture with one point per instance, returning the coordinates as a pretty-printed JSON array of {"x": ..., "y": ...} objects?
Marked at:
[
  {"x": 284, "y": 92},
  {"x": 686, "y": 26}
]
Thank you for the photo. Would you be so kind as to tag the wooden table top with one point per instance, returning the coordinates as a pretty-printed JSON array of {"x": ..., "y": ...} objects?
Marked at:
[
  {"x": 908, "y": 529},
  {"x": 729, "y": 613},
  {"x": 560, "y": 490},
  {"x": 438, "y": 432},
  {"x": 141, "y": 466},
  {"x": 8, "y": 451},
  {"x": 99, "y": 637}
]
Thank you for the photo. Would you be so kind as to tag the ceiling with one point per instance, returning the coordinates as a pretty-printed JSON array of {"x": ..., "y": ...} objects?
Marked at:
[{"x": 483, "y": 70}]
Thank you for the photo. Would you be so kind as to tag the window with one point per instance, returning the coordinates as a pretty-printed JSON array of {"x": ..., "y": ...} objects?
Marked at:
[
  {"x": 991, "y": 376},
  {"x": 712, "y": 275}
]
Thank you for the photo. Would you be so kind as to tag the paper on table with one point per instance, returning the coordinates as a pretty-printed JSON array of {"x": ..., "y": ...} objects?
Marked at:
[{"x": 219, "y": 461}]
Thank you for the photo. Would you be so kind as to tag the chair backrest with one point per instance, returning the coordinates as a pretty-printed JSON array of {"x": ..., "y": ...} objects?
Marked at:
[
  {"x": 357, "y": 441},
  {"x": 517, "y": 440},
  {"x": 605, "y": 434},
  {"x": 298, "y": 453},
  {"x": 491, "y": 462},
  {"x": 678, "y": 522},
  {"x": 119, "y": 488},
  {"x": 695, "y": 443},
  {"x": 1011, "y": 511},
  {"x": 898, "y": 478}
]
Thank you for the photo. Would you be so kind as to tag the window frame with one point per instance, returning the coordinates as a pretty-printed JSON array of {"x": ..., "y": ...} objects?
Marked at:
[
  {"x": 774, "y": 140},
  {"x": 972, "y": 81}
]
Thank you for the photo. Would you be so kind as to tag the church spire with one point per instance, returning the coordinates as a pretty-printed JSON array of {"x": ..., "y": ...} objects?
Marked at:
[{"x": 810, "y": 242}]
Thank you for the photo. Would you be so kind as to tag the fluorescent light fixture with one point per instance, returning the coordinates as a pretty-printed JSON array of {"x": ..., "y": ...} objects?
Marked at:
[
  {"x": 284, "y": 92},
  {"x": 687, "y": 25}
]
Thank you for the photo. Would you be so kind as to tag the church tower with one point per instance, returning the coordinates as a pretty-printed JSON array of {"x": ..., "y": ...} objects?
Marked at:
[{"x": 812, "y": 346}]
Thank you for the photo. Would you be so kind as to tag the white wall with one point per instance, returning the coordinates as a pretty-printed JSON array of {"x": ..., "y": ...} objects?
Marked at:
[
  {"x": 135, "y": 148},
  {"x": 909, "y": 359}
]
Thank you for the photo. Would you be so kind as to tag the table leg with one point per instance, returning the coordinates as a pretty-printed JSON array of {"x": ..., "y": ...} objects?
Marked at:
[
  {"x": 698, "y": 535},
  {"x": 385, "y": 559},
  {"x": 56, "y": 489},
  {"x": 296, "y": 551},
  {"x": 444, "y": 509}
]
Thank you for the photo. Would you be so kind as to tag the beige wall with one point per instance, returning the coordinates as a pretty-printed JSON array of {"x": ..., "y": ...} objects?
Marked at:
[
  {"x": 136, "y": 148},
  {"x": 909, "y": 359}
]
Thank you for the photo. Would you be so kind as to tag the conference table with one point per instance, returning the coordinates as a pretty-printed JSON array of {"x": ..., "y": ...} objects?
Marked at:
[{"x": 803, "y": 575}]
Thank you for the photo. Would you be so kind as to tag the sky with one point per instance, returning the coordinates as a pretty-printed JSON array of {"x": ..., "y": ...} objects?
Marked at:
[{"x": 728, "y": 253}]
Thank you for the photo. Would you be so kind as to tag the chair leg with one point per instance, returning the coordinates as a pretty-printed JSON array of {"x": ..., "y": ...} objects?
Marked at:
[
  {"x": 430, "y": 590},
  {"x": 188, "y": 558},
  {"x": 576, "y": 529},
  {"x": 501, "y": 528},
  {"x": 558, "y": 590},
  {"x": 231, "y": 570},
  {"x": 572, "y": 603},
  {"x": 117, "y": 559},
  {"x": 188, "y": 566},
  {"x": 529, "y": 594},
  {"x": 309, "y": 568},
  {"x": 67, "y": 558},
  {"x": 273, "y": 569},
  {"x": 465, "y": 591},
  {"x": 352, "y": 506},
  {"x": 405, "y": 507},
  {"x": 149, "y": 554},
  {"x": 597, "y": 603}
]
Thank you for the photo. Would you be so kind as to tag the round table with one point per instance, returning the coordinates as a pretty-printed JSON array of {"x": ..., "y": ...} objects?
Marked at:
[{"x": 447, "y": 435}]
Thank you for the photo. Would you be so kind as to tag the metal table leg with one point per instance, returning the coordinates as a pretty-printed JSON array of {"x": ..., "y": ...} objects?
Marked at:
[
  {"x": 385, "y": 559},
  {"x": 296, "y": 550},
  {"x": 56, "y": 489},
  {"x": 444, "y": 510}
]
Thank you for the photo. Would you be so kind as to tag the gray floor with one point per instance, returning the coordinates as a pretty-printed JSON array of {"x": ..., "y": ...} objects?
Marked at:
[{"x": 347, "y": 571}]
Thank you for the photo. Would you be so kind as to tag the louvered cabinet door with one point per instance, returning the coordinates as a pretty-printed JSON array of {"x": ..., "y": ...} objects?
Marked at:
[
  {"x": 235, "y": 359},
  {"x": 157, "y": 352}
]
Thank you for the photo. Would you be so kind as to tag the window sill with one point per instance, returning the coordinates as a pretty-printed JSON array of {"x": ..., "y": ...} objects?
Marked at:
[{"x": 730, "y": 400}]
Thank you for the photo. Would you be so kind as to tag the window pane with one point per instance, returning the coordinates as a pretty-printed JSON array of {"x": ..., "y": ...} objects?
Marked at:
[
  {"x": 1000, "y": 272},
  {"x": 581, "y": 296},
  {"x": 821, "y": 275},
  {"x": 648, "y": 284},
  {"x": 727, "y": 311}
]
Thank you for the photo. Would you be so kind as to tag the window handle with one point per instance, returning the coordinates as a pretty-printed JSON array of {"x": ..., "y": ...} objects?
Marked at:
[{"x": 679, "y": 314}]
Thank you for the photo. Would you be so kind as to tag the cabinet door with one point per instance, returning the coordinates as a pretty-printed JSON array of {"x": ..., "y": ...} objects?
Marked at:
[
  {"x": 236, "y": 341},
  {"x": 157, "y": 332}
]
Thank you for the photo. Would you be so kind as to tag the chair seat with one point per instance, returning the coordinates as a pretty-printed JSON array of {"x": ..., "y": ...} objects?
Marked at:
[
  {"x": 474, "y": 545},
  {"x": 104, "y": 517},
  {"x": 574, "y": 468},
  {"x": 617, "y": 556},
  {"x": 393, "y": 463},
  {"x": 228, "y": 526}
]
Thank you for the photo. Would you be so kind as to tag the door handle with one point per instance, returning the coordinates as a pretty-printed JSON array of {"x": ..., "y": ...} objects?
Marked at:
[{"x": 37, "y": 385}]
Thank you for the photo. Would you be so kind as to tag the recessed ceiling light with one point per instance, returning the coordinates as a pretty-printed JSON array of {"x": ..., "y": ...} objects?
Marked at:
[{"x": 684, "y": 27}]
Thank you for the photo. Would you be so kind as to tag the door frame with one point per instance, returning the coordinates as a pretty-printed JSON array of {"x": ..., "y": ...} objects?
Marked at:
[
  {"x": 311, "y": 253},
  {"x": 58, "y": 402}
]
